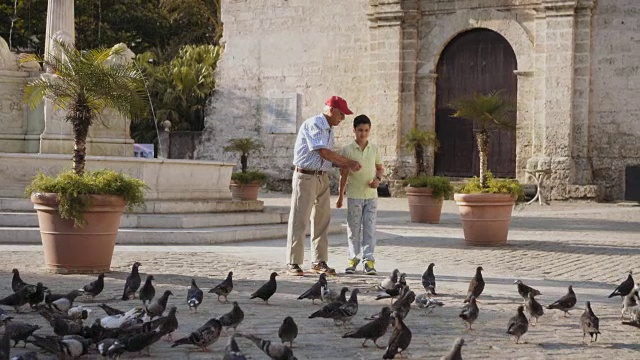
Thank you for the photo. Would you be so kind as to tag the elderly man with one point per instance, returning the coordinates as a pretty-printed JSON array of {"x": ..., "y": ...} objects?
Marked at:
[{"x": 313, "y": 158}]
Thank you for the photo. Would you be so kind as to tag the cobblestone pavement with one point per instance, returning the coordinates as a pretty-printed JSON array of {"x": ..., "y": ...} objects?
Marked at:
[{"x": 588, "y": 245}]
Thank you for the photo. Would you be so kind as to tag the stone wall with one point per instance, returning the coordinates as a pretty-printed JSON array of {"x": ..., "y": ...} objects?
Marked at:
[{"x": 614, "y": 131}]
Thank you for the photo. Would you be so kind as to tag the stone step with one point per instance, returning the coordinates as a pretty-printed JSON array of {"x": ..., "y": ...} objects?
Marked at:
[
  {"x": 171, "y": 236},
  {"x": 166, "y": 221}
]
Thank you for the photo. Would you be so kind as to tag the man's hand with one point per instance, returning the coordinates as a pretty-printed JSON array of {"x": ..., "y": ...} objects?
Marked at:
[
  {"x": 374, "y": 183},
  {"x": 353, "y": 165},
  {"x": 339, "y": 202}
]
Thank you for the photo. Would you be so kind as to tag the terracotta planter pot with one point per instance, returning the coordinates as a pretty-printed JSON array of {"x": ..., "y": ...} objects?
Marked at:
[
  {"x": 84, "y": 250},
  {"x": 245, "y": 191},
  {"x": 485, "y": 218},
  {"x": 423, "y": 208}
]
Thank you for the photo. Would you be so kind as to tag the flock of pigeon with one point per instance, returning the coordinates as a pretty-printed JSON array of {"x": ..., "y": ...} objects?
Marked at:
[{"x": 137, "y": 329}]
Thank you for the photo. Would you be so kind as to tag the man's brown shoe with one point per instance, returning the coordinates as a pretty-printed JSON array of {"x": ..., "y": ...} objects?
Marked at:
[
  {"x": 321, "y": 267},
  {"x": 294, "y": 270}
]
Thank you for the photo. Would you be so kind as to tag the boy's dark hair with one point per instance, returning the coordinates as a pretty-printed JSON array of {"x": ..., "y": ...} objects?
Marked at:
[{"x": 361, "y": 119}]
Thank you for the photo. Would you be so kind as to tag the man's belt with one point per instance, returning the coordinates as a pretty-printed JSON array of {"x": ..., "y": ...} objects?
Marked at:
[{"x": 310, "y": 172}]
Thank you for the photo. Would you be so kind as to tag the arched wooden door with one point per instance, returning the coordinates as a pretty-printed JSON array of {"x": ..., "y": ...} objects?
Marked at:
[{"x": 478, "y": 60}]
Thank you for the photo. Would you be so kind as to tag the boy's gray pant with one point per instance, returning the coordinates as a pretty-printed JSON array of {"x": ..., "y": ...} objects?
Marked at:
[{"x": 361, "y": 227}]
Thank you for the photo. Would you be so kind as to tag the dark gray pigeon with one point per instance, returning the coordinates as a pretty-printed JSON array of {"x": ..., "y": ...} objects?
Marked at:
[
  {"x": 18, "y": 330},
  {"x": 204, "y": 336},
  {"x": 518, "y": 324},
  {"x": 34, "y": 294},
  {"x": 147, "y": 292},
  {"x": 224, "y": 288},
  {"x": 328, "y": 310},
  {"x": 233, "y": 318},
  {"x": 399, "y": 340},
  {"x": 456, "y": 351},
  {"x": 347, "y": 310},
  {"x": 566, "y": 302},
  {"x": 16, "y": 281},
  {"x": 16, "y": 300},
  {"x": 403, "y": 305},
  {"x": 194, "y": 296},
  {"x": 288, "y": 331},
  {"x": 273, "y": 350},
  {"x": 389, "y": 282},
  {"x": 524, "y": 290},
  {"x": 625, "y": 287},
  {"x": 132, "y": 283},
  {"x": 429, "y": 280},
  {"x": 95, "y": 287},
  {"x": 470, "y": 312},
  {"x": 315, "y": 292},
  {"x": 534, "y": 309},
  {"x": 589, "y": 323},
  {"x": 372, "y": 330},
  {"x": 476, "y": 286},
  {"x": 267, "y": 290},
  {"x": 170, "y": 323},
  {"x": 157, "y": 307},
  {"x": 232, "y": 351},
  {"x": 141, "y": 341}
]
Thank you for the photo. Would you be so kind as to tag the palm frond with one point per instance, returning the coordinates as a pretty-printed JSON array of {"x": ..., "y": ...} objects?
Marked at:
[{"x": 490, "y": 109}]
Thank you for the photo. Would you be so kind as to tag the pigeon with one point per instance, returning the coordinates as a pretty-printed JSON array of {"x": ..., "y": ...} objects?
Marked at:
[
  {"x": 389, "y": 282},
  {"x": 267, "y": 290},
  {"x": 233, "y": 318},
  {"x": 74, "y": 346},
  {"x": 372, "y": 330},
  {"x": 469, "y": 312},
  {"x": 169, "y": 323},
  {"x": 328, "y": 310},
  {"x": 315, "y": 292},
  {"x": 456, "y": 351},
  {"x": 566, "y": 302},
  {"x": 274, "y": 351},
  {"x": 347, "y": 310},
  {"x": 133, "y": 282},
  {"x": 589, "y": 323},
  {"x": 534, "y": 308},
  {"x": 328, "y": 295},
  {"x": 423, "y": 301},
  {"x": 131, "y": 317},
  {"x": 232, "y": 351},
  {"x": 476, "y": 286},
  {"x": 110, "y": 310},
  {"x": 95, "y": 287},
  {"x": 147, "y": 291},
  {"x": 34, "y": 294},
  {"x": 16, "y": 281},
  {"x": 5, "y": 346},
  {"x": 194, "y": 296},
  {"x": 65, "y": 303},
  {"x": 403, "y": 305},
  {"x": 635, "y": 323},
  {"x": 110, "y": 348},
  {"x": 204, "y": 336},
  {"x": 29, "y": 355},
  {"x": 18, "y": 330},
  {"x": 625, "y": 287},
  {"x": 402, "y": 280},
  {"x": 524, "y": 290},
  {"x": 518, "y": 324},
  {"x": 429, "y": 280},
  {"x": 141, "y": 341},
  {"x": 157, "y": 307},
  {"x": 392, "y": 293},
  {"x": 630, "y": 303},
  {"x": 288, "y": 331},
  {"x": 224, "y": 288},
  {"x": 399, "y": 340},
  {"x": 16, "y": 300},
  {"x": 51, "y": 344}
]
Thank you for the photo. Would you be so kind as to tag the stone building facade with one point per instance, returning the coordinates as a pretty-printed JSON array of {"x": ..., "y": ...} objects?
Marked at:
[{"x": 577, "y": 78}]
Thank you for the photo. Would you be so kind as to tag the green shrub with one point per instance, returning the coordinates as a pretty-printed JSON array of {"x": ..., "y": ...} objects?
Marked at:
[
  {"x": 440, "y": 186},
  {"x": 72, "y": 189},
  {"x": 248, "y": 177},
  {"x": 494, "y": 186}
]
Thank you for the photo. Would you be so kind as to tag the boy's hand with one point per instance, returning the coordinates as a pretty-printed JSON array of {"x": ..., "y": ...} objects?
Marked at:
[
  {"x": 339, "y": 202},
  {"x": 374, "y": 183}
]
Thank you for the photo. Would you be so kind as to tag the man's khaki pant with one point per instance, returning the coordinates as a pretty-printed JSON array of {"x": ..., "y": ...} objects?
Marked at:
[{"x": 309, "y": 200}]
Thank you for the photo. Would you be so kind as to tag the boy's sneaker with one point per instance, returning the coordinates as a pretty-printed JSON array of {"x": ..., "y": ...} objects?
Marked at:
[
  {"x": 294, "y": 270},
  {"x": 321, "y": 267},
  {"x": 351, "y": 266},
  {"x": 369, "y": 267}
]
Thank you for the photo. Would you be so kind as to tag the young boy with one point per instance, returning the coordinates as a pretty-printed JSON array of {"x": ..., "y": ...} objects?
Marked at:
[{"x": 362, "y": 196}]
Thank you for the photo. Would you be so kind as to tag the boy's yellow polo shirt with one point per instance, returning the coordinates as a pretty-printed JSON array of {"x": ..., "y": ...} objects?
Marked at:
[{"x": 358, "y": 183}]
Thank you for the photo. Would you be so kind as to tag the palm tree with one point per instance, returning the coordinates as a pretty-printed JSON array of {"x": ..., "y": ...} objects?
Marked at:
[
  {"x": 487, "y": 110},
  {"x": 417, "y": 141},
  {"x": 244, "y": 146},
  {"x": 84, "y": 83}
]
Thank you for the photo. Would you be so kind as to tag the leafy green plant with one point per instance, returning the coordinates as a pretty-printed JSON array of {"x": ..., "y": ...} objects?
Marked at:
[
  {"x": 418, "y": 141},
  {"x": 248, "y": 177},
  {"x": 486, "y": 110},
  {"x": 440, "y": 186},
  {"x": 245, "y": 147},
  {"x": 494, "y": 186},
  {"x": 72, "y": 190}
]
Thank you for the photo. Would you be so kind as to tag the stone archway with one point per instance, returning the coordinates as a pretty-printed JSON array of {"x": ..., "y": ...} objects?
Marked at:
[{"x": 475, "y": 61}]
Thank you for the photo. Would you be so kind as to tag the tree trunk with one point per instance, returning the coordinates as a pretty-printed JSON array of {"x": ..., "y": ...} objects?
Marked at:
[
  {"x": 482, "y": 137},
  {"x": 243, "y": 162},
  {"x": 80, "y": 118},
  {"x": 420, "y": 170}
]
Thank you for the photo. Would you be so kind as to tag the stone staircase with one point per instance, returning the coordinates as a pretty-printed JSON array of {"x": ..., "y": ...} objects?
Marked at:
[{"x": 227, "y": 221}]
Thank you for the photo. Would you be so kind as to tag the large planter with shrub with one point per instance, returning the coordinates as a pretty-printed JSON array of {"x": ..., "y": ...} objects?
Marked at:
[
  {"x": 246, "y": 185},
  {"x": 425, "y": 195}
]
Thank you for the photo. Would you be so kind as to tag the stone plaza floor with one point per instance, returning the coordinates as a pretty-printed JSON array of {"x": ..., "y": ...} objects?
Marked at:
[{"x": 588, "y": 245}]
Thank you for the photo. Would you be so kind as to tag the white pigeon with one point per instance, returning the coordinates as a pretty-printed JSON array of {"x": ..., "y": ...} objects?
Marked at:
[
  {"x": 328, "y": 295},
  {"x": 117, "y": 321},
  {"x": 423, "y": 301}
]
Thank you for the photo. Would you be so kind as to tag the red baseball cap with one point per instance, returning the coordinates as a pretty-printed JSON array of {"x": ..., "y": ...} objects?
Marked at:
[{"x": 338, "y": 103}]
